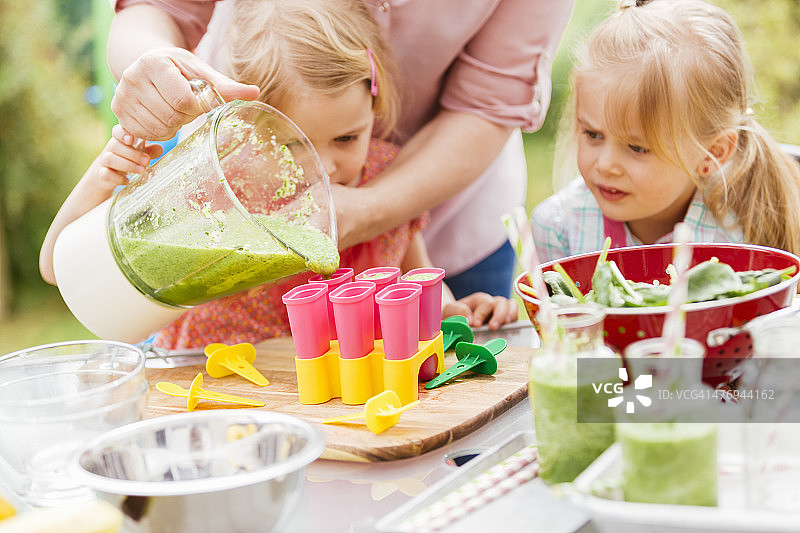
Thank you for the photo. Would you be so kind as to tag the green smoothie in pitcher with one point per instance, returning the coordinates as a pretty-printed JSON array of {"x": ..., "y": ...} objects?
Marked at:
[{"x": 195, "y": 261}]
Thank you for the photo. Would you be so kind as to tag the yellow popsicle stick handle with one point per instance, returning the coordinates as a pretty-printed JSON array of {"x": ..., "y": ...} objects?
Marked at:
[
  {"x": 379, "y": 411},
  {"x": 229, "y": 398},
  {"x": 172, "y": 389},
  {"x": 345, "y": 418},
  {"x": 389, "y": 411},
  {"x": 213, "y": 347},
  {"x": 246, "y": 370},
  {"x": 195, "y": 393},
  {"x": 383, "y": 411},
  {"x": 238, "y": 359}
]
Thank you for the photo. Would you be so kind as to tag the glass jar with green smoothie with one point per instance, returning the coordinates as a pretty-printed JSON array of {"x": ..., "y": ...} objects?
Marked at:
[
  {"x": 561, "y": 396},
  {"x": 669, "y": 447}
]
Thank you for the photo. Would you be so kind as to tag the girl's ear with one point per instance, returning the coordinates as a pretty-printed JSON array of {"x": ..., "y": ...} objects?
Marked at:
[{"x": 721, "y": 148}]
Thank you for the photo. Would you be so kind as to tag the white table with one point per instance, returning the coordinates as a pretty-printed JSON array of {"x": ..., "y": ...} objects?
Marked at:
[{"x": 347, "y": 497}]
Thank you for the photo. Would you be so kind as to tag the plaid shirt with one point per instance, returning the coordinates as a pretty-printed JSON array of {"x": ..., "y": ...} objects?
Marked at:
[{"x": 570, "y": 222}]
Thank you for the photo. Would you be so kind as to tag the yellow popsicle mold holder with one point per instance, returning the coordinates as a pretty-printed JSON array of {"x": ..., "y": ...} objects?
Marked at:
[{"x": 355, "y": 381}]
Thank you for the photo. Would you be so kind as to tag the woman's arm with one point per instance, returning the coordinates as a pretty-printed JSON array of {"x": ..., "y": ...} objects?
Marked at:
[
  {"x": 497, "y": 82},
  {"x": 445, "y": 156}
]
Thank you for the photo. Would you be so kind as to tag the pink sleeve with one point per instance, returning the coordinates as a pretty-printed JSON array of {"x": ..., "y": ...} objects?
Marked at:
[
  {"x": 191, "y": 16},
  {"x": 503, "y": 73}
]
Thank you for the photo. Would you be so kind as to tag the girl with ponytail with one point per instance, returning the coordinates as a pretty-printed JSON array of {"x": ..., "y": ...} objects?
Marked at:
[{"x": 662, "y": 132}]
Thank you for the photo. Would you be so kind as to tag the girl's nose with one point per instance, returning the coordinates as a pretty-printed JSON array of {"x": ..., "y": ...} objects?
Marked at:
[
  {"x": 607, "y": 160},
  {"x": 329, "y": 163}
]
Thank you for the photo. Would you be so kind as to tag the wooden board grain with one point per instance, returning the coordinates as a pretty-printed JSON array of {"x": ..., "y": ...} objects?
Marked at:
[{"x": 444, "y": 414}]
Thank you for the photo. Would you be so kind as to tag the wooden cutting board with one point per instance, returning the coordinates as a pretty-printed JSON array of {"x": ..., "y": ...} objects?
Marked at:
[{"x": 444, "y": 414}]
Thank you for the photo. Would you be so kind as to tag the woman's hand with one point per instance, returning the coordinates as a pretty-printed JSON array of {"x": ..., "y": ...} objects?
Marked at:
[
  {"x": 479, "y": 306},
  {"x": 154, "y": 99}
]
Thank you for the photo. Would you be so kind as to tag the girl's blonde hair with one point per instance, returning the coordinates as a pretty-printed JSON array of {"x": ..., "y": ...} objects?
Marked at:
[
  {"x": 285, "y": 45},
  {"x": 681, "y": 73}
]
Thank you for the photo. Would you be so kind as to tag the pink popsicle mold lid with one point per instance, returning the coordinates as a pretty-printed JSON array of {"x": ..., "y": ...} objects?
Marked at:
[
  {"x": 337, "y": 277},
  {"x": 398, "y": 293},
  {"x": 353, "y": 291},
  {"x": 424, "y": 276},
  {"x": 378, "y": 274},
  {"x": 304, "y": 293}
]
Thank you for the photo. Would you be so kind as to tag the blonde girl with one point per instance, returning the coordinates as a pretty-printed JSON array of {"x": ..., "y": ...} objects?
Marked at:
[{"x": 662, "y": 131}]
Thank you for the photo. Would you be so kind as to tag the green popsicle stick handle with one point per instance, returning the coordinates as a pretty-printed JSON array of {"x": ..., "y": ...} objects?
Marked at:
[{"x": 456, "y": 369}]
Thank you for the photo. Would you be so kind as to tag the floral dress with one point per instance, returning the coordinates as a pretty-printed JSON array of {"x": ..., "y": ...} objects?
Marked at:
[{"x": 259, "y": 313}]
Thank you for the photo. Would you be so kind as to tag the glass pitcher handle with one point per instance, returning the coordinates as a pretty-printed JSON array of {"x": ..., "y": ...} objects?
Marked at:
[{"x": 206, "y": 95}]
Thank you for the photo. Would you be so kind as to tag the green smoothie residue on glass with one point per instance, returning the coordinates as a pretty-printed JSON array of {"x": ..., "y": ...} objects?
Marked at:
[
  {"x": 375, "y": 275},
  {"x": 566, "y": 447},
  {"x": 422, "y": 276},
  {"x": 290, "y": 172},
  {"x": 201, "y": 259},
  {"x": 669, "y": 463}
]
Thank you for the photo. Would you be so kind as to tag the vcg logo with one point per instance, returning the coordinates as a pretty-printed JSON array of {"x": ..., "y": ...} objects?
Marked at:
[{"x": 645, "y": 381}]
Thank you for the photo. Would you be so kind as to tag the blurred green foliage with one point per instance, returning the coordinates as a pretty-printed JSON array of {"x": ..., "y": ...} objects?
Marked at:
[
  {"x": 771, "y": 31},
  {"x": 539, "y": 146},
  {"x": 49, "y": 137}
]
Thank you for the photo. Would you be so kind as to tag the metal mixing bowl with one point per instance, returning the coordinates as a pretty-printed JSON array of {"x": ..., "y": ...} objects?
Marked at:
[{"x": 234, "y": 470}]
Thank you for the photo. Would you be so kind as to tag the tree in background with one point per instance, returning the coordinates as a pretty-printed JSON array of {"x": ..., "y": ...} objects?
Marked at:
[
  {"x": 771, "y": 31},
  {"x": 49, "y": 135}
]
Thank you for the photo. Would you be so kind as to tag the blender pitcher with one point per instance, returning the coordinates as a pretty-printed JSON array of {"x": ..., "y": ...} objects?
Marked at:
[{"x": 242, "y": 201}]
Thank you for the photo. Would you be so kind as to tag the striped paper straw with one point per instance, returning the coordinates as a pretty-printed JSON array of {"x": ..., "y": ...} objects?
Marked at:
[
  {"x": 675, "y": 322},
  {"x": 486, "y": 487},
  {"x": 519, "y": 233}
]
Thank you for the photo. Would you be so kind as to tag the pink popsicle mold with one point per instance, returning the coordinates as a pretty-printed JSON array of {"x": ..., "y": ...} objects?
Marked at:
[
  {"x": 430, "y": 301},
  {"x": 381, "y": 277},
  {"x": 355, "y": 365},
  {"x": 342, "y": 275},
  {"x": 307, "y": 307},
  {"x": 398, "y": 305},
  {"x": 353, "y": 306}
]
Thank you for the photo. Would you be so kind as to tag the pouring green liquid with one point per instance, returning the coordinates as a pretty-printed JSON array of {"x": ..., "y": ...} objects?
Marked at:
[{"x": 196, "y": 261}]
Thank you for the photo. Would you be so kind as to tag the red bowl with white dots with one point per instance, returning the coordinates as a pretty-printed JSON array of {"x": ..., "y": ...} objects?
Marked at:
[{"x": 647, "y": 263}]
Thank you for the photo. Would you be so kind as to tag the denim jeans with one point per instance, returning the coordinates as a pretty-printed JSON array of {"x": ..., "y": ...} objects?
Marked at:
[{"x": 494, "y": 275}]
